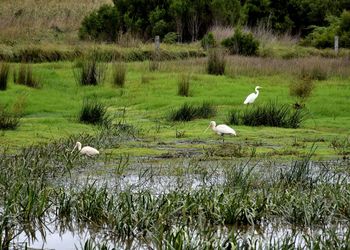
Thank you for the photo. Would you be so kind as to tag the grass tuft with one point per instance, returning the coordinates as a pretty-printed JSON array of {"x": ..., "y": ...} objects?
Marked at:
[
  {"x": 119, "y": 73},
  {"x": 188, "y": 112},
  {"x": 270, "y": 114},
  {"x": 216, "y": 62},
  {"x": 10, "y": 117},
  {"x": 4, "y": 72},
  {"x": 93, "y": 112},
  {"x": 24, "y": 76},
  {"x": 89, "y": 71},
  {"x": 183, "y": 85}
]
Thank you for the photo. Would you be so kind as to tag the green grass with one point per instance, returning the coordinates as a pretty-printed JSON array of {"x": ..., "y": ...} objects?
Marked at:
[{"x": 51, "y": 111}]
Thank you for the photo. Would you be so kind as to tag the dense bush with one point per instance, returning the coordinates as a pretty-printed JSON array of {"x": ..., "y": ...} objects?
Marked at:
[
  {"x": 242, "y": 43},
  {"x": 323, "y": 36},
  {"x": 208, "y": 41},
  {"x": 216, "y": 62},
  {"x": 101, "y": 25}
]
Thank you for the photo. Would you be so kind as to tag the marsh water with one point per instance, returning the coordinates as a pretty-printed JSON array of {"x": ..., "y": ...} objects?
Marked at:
[{"x": 160, "y": 177}]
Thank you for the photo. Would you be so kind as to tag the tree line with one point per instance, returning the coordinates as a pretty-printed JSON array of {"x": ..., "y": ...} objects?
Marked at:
[{"x": 190, "y": 20}]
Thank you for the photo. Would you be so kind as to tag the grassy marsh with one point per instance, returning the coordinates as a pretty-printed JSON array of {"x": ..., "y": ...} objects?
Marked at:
[{"x": 146, "y": 105}]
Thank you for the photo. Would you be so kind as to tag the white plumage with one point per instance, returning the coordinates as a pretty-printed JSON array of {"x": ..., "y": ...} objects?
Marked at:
[
  {"x": 251, "y": 98},
  {"x": 87, "y": 150},
  {"x": 221, "y": 129}
]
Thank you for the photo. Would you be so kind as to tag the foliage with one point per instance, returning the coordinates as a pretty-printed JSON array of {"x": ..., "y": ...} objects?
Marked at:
[
  {"x": 188, "y": 112},
  {"x": 216, "y": 62},
  {"x": 323, "y": 36},
  {"x": 242, "y": 43},
  {"x": 170, "y": 38},
  {"x": 208, "y": 41},
  {"x": 4, "y": 72},
  {"x": 93, "y": 112},
  {"x": 101, "y": 25}
]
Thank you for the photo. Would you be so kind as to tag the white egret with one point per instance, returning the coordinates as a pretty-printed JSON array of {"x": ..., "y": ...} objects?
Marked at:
[
  {"x": 221, "y": 129},
  {"x": 251, "y": 98},
  {"x": 87, "y": 150}
]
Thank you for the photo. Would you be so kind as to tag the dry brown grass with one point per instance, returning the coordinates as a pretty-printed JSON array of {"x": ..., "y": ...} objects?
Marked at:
[
  {"x": 35, "y": 20},
  {"x": 257, "y": 66}
]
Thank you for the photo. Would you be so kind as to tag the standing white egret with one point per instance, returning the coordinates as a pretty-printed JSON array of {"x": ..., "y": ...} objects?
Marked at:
[
  {"x": 251, "y": 98},
  {"x": 87, "y": 150},
  {"x": 221, "y": 129}
]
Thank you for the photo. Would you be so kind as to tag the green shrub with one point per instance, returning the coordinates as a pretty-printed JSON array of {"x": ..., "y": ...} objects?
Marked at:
[
  {"x": 302, "y": 89},
  {"x": 4, "y": 72},
  {"x": 93, "y": 112},
  {"x": 102, "y": 24},
  {"x": 170, "y": 38},
  {"x": 119, "y": 73},
  {"x": 183, "y": 85},
  {"x": 216, "y": 62},
  {"x": 25, "y": 76},
  {"x": 188, "y": 112},
  {"x": 208, "y": 41},
  {"x": 242, "y": 43}
]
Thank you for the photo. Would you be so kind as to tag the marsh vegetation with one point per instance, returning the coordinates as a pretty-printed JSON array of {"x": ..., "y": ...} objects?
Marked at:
[{"x": 160, "y": 181}]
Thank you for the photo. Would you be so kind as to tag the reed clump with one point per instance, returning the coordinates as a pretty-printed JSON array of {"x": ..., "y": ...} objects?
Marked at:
[
  {"x": 89, "y": 71},
  {"x": 24, "y": 76},
  {"x": 189, "y": 112},
  {"x": 93, "y": 112},
  {"x": 183, "y": 85},
  {"x": 119, "y": 74},
  {"x": 216, "y": 62},
  {"x": 4, "y": 73},
  {"x": 270, "y": 114}
]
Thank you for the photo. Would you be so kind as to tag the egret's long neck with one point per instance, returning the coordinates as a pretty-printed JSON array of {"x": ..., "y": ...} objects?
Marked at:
[
  {"x": 257, "y": 91},
  {"x": 79, "y": 146}
]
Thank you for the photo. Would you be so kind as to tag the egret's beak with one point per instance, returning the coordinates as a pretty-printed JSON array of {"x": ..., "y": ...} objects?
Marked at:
[
  {"x": 206, "y": 129},
  {"x": 74, "y": 148}
]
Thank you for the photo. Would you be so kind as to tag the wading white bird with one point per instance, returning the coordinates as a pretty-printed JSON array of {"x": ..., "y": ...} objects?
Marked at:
[
  {"x": 221, "y": 129},
  {"x": 87, "y": 150},
  {"x": 251, "y": 98}
]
